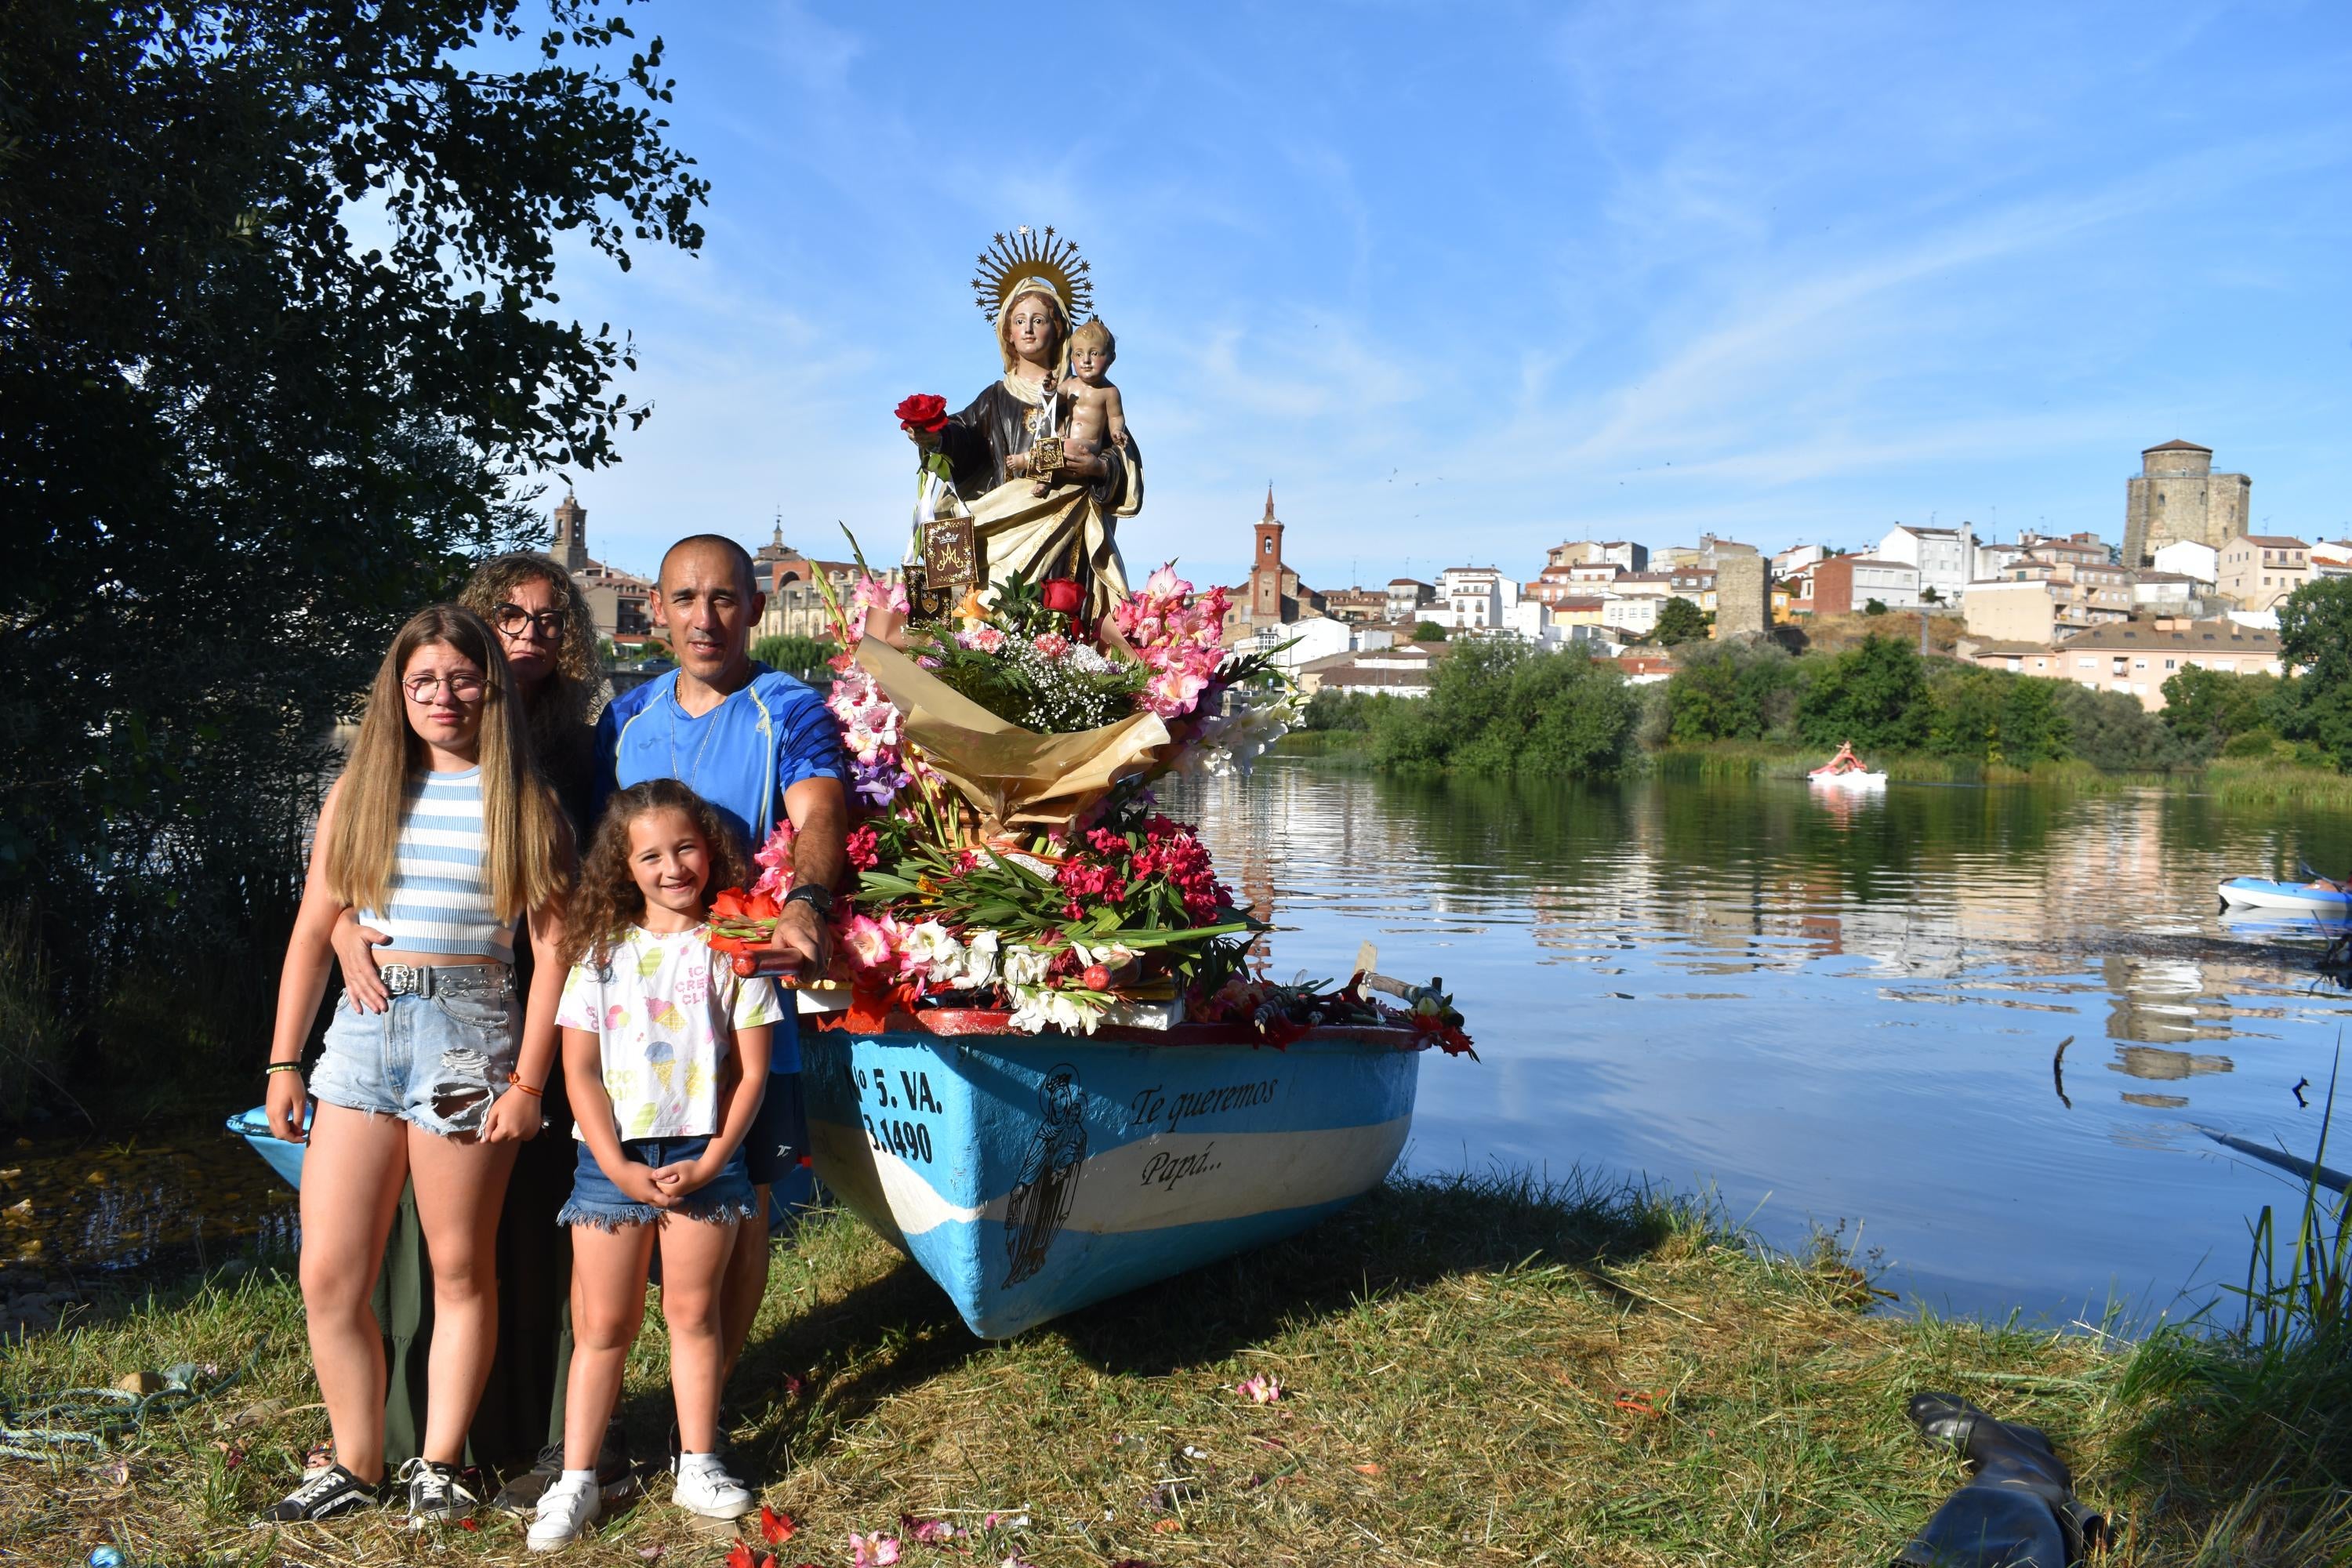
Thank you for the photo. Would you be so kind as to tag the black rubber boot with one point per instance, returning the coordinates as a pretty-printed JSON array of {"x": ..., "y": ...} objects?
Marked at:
[{"x": 2019, "y": 1509}]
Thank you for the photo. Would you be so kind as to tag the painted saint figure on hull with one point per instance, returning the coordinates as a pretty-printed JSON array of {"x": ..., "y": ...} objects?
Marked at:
[{"x": 1040, "y": 1202}]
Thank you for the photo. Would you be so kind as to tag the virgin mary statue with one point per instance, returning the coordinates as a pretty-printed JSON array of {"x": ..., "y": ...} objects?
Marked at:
[{"x": 1034, "y": 289}]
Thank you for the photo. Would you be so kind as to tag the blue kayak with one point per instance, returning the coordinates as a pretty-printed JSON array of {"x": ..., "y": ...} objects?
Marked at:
[
  {"x": 1032, "y": 1174},
  {"x": 2263, "y": 893},
  {"x": 791, "y": 1195}
]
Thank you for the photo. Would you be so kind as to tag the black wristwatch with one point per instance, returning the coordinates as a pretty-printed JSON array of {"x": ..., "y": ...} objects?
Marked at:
[{"x": 819, "y": 899}]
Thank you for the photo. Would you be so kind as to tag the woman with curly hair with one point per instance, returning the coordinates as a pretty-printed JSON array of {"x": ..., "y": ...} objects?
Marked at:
[{"x": 543, "y": 629}]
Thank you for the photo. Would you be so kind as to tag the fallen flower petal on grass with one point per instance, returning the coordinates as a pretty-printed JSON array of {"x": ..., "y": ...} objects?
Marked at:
[
  {"x": 930, "y": 1531},
  {"x": 778, "y": 1528},
  {"x": 876, "y": 1551},
  {"x": 1366, "y": 1469},
  {"x": 1259, "y": 1390}
]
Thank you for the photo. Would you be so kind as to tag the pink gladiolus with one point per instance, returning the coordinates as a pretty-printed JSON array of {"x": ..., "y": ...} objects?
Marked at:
[
  {"x": 867, "y": 943},
  {"x": 872, "y": 1551}
]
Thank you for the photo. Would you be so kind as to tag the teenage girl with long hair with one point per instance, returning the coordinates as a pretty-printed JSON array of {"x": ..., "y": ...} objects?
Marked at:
[
  {"x": 666, "y": 1052},
  {"x": 440, "y": 834},
  {"x": 543, "y": 628}
]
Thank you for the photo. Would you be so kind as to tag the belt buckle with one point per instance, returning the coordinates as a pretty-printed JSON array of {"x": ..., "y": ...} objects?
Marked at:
[{"x": 401, "y": 979}]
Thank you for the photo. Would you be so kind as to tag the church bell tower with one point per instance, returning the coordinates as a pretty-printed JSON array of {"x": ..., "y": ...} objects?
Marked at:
[
  {"x": 1265, "y": 568},
  {"x": 570, "y": 548}
]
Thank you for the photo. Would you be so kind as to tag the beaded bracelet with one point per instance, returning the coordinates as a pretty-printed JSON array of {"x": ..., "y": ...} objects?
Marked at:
[
  {"x": 281, "y": 1066},
  {"x": 515, "y": 1079}
]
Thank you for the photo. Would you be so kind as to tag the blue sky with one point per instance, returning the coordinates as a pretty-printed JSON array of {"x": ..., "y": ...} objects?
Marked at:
[{"x": 1465, "y": 280}]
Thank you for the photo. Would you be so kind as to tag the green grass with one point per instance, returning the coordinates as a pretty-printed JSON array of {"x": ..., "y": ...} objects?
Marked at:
[
  {"x": 1475, "y": 1372},
  {"x": 1765, "y": 759},
  {"x": 2240, "y": 783},
  {"x": 1325, "y": 743}
]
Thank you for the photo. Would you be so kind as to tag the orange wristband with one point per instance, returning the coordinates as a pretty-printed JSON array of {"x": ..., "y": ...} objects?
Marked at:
[{"x": 515, "y": 1079}]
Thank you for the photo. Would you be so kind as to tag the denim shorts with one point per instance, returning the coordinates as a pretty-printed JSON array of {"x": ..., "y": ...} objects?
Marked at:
[
  {"x": 438, "y": 1061},
  {"x": 596, "y": 1201}
]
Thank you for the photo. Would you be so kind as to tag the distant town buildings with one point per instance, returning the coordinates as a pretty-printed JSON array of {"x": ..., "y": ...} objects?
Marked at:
[
  {"x": 1845, "y": 583},
  {"x": 1272, "y": 595},
  {"x": 2189, "y": 586},
  {"x": 2258, "y": 570},
  {"x": 2177, "y": 495},
  {"x": 2137, "y": 658},
  {"x": 1944, "y": 558},
  {"x": 617, "y": 601}
]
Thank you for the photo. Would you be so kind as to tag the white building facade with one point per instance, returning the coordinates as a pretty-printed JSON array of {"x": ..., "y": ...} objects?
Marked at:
[{"x": 1946, "y": 558}]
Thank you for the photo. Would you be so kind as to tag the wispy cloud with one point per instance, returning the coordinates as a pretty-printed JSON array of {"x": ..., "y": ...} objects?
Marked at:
[{"x": 1454, "y": 275}]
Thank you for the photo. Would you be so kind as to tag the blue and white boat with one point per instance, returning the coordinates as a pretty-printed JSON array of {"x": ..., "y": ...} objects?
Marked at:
[
  {"x": 2263, "y": 893},
  {"x": 1033, "y": 1174}
]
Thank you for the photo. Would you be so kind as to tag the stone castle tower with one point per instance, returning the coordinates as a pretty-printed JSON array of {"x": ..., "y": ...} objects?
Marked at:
[
  {"x": 2177, "y": 495},
  {"x": 571, "y": 547},
  {"x": 1265, "y": 569}
]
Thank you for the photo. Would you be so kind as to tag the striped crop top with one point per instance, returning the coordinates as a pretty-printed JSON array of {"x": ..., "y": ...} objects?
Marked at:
[{"x": 439, "y": 901}]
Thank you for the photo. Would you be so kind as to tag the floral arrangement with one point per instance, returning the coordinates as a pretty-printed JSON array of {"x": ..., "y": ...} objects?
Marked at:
[{"x": 1109, "y": 912}]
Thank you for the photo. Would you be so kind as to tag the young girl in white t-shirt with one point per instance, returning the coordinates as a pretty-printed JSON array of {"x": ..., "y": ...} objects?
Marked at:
[{"x": 666, "y": 1054}]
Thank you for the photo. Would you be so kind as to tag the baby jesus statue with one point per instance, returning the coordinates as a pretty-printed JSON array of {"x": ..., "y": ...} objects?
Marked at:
[{"x": 1095, "y": 413}]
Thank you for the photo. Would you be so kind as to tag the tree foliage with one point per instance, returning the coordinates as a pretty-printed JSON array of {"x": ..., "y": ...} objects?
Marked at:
[
  {"x": 2315, "y": 639},
  {"x": 1428, "y": 631},
  {"x": 278, "y": 334},
  {"x": 1873, "y": 694},
  {"x": 1993, "y": 716},
  {"x": 2206, "y": 710},
  {"x": 1679, "y": 621},
  {"x": 1731, "y": 691},
  {"x": 1499, "y": 705},
  {"x": 802, "y": 657}
]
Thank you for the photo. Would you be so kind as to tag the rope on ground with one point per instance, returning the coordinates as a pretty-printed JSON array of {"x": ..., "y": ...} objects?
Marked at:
[{"x": 98, "y": 1418}]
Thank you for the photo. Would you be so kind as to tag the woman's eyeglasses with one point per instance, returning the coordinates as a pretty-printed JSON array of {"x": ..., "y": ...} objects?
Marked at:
[
  {"x": 514, "y": 621},
  {"x": 464, "y": 688}
]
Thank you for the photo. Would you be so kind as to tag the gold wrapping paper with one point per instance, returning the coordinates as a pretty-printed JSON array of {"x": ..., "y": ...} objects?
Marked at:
[{"x": 1013, "y": 777}]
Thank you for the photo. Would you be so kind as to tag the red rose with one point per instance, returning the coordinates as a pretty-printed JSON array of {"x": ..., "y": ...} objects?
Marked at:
[
  {"x": 925, "y": 411},
  {"x": 1060, "y": 595}
]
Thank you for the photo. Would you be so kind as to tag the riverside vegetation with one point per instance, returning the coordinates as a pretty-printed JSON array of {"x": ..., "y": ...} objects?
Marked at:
[
  {"x": 1469, "y": 1371},
  {"x": 1497, "y": 706}
]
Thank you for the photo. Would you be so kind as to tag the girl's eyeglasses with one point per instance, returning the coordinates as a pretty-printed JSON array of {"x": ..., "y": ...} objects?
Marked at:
[
  {"x": 514, "y": 621},
  {"x": 464, "y": 688}
]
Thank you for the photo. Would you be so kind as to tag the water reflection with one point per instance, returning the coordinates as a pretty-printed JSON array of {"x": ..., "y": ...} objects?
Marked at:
[{"x": 1838, "y": 1008}]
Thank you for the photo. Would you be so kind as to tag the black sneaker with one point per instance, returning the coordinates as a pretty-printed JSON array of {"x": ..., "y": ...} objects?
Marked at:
[
  {"x": 329, "y": 1494},
  {"x": 521, "y": 1494},
  {"x": 437, "y": 1493}
]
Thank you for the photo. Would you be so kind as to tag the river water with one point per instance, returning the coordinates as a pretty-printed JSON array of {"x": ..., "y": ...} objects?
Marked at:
[
  {"x": 1822, "y": 1011},
  {"x": 1841, "y": 1010}
]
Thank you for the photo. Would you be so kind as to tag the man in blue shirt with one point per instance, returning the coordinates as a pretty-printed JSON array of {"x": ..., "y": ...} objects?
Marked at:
[{"x": 752, "y": 742}]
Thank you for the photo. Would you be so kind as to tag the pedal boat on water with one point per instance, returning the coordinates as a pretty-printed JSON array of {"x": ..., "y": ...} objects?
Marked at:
[
  {"x": 1845, "y": 771},
  {"x": 2319, "y": 897},
  {"x": 1033, "y": 1174}
]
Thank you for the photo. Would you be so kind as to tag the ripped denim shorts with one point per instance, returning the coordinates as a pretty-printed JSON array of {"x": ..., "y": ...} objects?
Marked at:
[{"x": 437, "y": 1060}]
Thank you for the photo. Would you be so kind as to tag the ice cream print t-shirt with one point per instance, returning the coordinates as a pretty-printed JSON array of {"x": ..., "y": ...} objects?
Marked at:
[{"x": 663, "y": 1007}]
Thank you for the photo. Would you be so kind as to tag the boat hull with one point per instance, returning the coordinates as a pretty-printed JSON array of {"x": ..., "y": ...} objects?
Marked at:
[
  {"x": 1848, "y": 781},
  {"x": 2263, "y": 893},
  {"x": 1030, "y": 1175}
]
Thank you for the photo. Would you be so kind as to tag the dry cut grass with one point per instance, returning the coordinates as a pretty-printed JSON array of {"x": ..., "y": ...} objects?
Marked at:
[{"x": 1479, "y": 1372}]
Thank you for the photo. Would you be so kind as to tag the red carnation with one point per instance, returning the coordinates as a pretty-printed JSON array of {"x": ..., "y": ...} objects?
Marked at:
[{"x": 925, "y": 411}]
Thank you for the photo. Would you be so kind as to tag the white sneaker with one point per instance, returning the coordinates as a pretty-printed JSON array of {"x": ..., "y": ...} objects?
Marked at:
[
  {"x": 566, "y": 1509},
  {"x": 712, "y": 1493}
]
